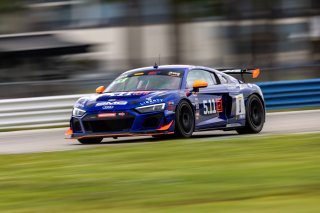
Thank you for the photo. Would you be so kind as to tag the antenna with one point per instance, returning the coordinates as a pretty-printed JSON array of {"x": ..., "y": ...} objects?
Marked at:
[{"x": 155, "y": 63}]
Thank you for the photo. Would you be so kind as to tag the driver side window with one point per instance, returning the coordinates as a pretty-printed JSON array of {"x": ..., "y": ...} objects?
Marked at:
[{"x": 202, "y": 75}]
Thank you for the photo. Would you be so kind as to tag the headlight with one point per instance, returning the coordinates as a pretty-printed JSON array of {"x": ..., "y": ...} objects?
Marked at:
[
  {"x": 78, "y": 112},
  {"x": 151, "y": 108}
]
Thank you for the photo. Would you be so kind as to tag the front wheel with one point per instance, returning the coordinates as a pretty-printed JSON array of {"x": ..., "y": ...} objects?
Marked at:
[
  {"x": 184, "y": 120},
  {"x": 90, "y": 140},
  {"x": 255, "y": 116}
]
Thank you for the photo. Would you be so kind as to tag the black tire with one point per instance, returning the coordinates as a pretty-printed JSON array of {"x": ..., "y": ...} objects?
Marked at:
[
  {"x": 184, "y": 120},
  {"x": 255, "y": 116},
  {"x": 90, "y": 140}
]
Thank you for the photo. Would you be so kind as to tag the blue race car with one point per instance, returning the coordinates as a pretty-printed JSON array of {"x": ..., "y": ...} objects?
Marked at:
[{"x": 171, "y": 99}]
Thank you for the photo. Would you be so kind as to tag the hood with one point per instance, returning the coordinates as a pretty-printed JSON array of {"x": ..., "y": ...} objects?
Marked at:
[
  {"x": 128, "y": 95},
  {"x": 123, "y": 100}
]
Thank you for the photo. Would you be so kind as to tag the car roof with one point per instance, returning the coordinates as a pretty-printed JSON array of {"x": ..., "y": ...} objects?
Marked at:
[{"x": 174, "y": 66}]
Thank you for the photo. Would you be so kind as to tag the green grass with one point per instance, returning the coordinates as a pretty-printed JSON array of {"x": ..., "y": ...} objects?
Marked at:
[
  {"x": 248, "y": 174},
  {"x": 294, "y": 109}
]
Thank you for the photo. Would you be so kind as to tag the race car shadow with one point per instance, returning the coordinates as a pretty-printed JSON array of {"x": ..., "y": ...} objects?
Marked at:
[
  {"x": 128, "y": 140},
  {"x": 155, "y": 140},
  {"x": 214, "y": 135}
]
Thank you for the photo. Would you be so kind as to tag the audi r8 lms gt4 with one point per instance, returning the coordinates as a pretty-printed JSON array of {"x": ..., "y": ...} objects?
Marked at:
[{"x": 171, "y": 99}]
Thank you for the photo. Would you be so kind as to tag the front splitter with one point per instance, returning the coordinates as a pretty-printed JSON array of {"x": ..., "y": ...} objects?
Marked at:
[{"x": 103, "y": 135}]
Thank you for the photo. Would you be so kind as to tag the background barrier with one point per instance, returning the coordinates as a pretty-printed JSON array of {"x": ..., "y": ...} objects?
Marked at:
[
  {"x": 56, "y": 110},
  {"x": 36, "y": 112},
  {"x": 291, "y": 94}
]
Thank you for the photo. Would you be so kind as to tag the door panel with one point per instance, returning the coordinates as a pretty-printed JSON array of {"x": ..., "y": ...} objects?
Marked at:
[
  {"x": 211, "y": 107},
  {"x": 210, "y": 102}
]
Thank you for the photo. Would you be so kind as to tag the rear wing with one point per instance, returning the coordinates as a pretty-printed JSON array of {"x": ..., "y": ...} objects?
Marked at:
[{"x": 254, "y": 72}]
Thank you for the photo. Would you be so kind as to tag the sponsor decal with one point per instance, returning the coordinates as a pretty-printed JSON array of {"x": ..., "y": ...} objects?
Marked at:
[
  {"x": 122, "y": 114},
  {"x": 107, "y": 107},
  {"x": 197, "y": 115},
  {"x": 197, "y": 103},
  {"x": 177, "y": 74},
  {"x": 151, "y": 101},
  {"x": 112, "y": 114},
  {"x": 219, "y": 105},
  {"x": 140, "y": 93},
  {"x": 107, "y": 115},
  {"x": 153, "y": 73},
  {"x": 240, "y": 106},
  {"x": 233, "y": 125},
  {"x": 110, "y": 103},
  {"x": 127, "y": 93}
]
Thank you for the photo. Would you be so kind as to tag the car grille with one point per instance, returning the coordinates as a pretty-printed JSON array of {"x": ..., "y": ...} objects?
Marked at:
[
  {"x": 152, "y": 121},
  {"x": 76, "y": 125},
  {"x": 108, "y": 125}
]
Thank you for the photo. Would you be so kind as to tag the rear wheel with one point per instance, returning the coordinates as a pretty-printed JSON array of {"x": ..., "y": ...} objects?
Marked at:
[
  {"x": 255, "y": 116},
  {"x": 90, "y": 140},
  {"x": 184, "y": 120}
]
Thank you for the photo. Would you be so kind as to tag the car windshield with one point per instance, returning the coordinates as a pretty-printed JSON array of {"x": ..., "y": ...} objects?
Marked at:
[{"x": 147, "y": 80}]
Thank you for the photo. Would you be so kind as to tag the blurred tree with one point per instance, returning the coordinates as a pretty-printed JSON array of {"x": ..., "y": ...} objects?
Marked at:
[
  {"x": 10, "y": 5},
  {"x": 9, "y": 20}
]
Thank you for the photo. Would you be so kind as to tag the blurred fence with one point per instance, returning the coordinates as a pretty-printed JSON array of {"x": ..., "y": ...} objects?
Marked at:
[
  {"x": 291, "y": 94},
  {"x": 55, "y": 111},
  {"x": 25, "y": 113}
]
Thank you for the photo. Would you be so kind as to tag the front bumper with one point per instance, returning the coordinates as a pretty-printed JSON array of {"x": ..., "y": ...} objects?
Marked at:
[
  {"x": 128, "y": 134},
  {"x": 124, "y": 123}
]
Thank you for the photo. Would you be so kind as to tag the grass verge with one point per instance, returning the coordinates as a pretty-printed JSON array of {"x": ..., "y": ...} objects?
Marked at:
[
  {"x": 293, "y": 109},
  {"x": 248, "y": 174}
]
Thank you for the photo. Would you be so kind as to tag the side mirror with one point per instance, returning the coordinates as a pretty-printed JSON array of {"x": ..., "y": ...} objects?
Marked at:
[
  {"x": 199, "y": 84},
  {"x": 100, "y": 89}
]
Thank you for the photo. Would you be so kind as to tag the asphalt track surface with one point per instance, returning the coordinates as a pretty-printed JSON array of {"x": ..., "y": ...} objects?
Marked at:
[{"x": 49, "y": 140}]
